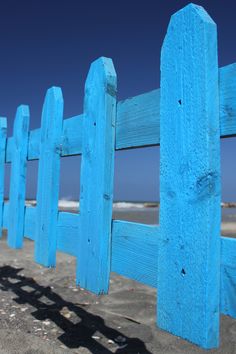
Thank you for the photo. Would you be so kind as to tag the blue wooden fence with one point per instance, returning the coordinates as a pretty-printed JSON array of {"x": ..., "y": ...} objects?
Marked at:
[{"x": 192, "y": 266}]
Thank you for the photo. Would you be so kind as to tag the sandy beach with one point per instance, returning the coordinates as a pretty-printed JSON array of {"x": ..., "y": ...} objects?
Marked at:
[{"x": 42, "y": 311}]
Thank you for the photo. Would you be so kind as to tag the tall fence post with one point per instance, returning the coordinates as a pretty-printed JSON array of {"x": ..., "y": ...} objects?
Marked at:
[
  {"x": 48, "y": 178},
  {"x": 189, "y": 253},
  {"x": 97, "y": 170},
  {"x": 18, "y": 178},
  {"x": 3, "y": 136}
]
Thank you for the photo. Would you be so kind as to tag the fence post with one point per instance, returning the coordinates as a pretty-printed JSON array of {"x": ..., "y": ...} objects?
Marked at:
[
  {"x": 97, "y": 170},
  {"x": 3, "y": 135},
  {"x": 189, "y": 253},
  {"x": 48, "y": 178},
  {"x": 18, "y": 178}
]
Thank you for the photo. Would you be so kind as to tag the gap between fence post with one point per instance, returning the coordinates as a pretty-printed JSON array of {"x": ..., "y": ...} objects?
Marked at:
[
  {"x": 189, "y": 247},
  {"x": 16, "y": 213},
  {"x": 97, "y": 170}
]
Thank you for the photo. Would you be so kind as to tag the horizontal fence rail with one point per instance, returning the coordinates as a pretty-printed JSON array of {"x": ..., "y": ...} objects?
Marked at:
[
  {"x": 193, "y": 267},
  {"x": 134, "y": 250},
  {"x": 138, "y": 121}
]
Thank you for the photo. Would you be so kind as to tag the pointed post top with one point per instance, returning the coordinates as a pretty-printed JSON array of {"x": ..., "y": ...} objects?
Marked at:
[
  {"x": 52, "y": 109},
  {"x": 21, "y": 123},
  {"x": 193, "y": 10},
  {"x": 189, "y": 17},
  {"x": 102, "y": 70},
  {"x": 190, "y": 179},
  {"x": 22, "y": 110},
  {"x": 54, "y": 91}
]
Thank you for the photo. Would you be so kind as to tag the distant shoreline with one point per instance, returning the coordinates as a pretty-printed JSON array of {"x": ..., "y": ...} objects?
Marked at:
[
  {"x": 147, "y": 213},
  {"x": 64, "y": 203}
]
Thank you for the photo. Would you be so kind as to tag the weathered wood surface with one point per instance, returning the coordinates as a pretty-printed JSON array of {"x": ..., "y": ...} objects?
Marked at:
[
  {"x": 3, "y": 136},
  {"x": 30, "y": 221},
  {"x": 72, "y": 136},
  {"x": 68, "y": 228},
  {"x": 134, "y": 251},
  {"x": 228, "y": 276},
  {"x": 184, "y": 255},
  {"x": 34, "y": 144},
  {"x": 227, "y": 84},
  {"x": 138, "y": 121},
  {"x": 97, "y": 171},
  {"x": 48, "y": 178},
  {"x": 190, "y": 215},
  {"x": 18, "y": 178}
]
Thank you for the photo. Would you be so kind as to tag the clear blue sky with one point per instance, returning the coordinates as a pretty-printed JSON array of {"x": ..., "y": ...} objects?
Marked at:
[{"x": 47, "y": 43}]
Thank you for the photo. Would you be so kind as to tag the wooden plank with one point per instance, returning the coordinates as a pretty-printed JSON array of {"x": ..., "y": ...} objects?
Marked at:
[
  {"x": 34, "y": 144},
  {"x": 138, "y": 121},
  {"x": 9, "y": 148},
  {"x": 97, "y": 170},
  {"x": 18, "y": 178},
  {"x": 228, "y": 276},
  {"x": 227, "y": 79},
  {"x": 5, "y": 215},
  {"x": 134, "y": 249},
  {"x": 3, "y": 135},
  {"x": 30, "y": 222},
  {"x": 68, "y": 230},
  {"x": 71, "y": 140},
  {"x": 48, "y": 178},
  {"x": 190, "y": 215},
  {"x": 138, "y": 118},
  {"x": 72, "y": 136}
]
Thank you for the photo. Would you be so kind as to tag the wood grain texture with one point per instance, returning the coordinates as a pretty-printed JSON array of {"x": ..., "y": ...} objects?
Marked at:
[
  {"x": 9, "y": 148},
  {"x": 3, "y": 135},
  {"x": 67, "y": 230},
  {"x": 227, "y": 82},
  {"x": 97, "y": 171},
  {"x": 68, "y": 227},
  {"x": 138, "y": 121},
  {"x": 18, "y": 178},
  {"x": 71, "y": 140},
  {"x": 190, "y": 215},
  {"x": 194, "y": 269},
  {"x": 228, "y": 276},
  {"x": 48, "y": 178},
  {"x": 134, "y": 249},
  {"x": 138, "y": 118},
  {"x": 72, "y": 136},
  {"x": 30, "y": 222},
  {"x": 34, "y": 144}
]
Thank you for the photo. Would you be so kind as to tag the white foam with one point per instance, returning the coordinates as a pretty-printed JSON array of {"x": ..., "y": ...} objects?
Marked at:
[{"x": 73, "y": 204}]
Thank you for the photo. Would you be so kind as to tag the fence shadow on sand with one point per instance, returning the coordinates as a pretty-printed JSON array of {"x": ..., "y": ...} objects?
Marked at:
[{"x": 75, "y": 335}]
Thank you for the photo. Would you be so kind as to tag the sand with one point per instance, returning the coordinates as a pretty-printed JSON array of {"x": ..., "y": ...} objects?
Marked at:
[{"x": 42, "y": 311}]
